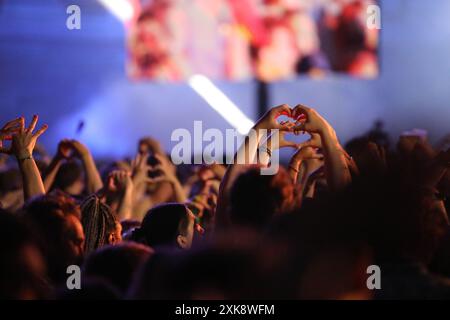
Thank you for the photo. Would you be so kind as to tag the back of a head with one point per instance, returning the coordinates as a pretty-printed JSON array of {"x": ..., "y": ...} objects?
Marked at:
[
  {"x": 256, "y": 198},
  {"x": 69, "y": 173},
  {"x": 98, "y": 223},
  {"x": 394, "y": 211},
  {"x": 204, "y": 273},
  {"x": 22, "y": 269},
  {"x": 92, "y": 289},
  {"x": 10, "y": 180},
  {"x": 117, "y": 264},
  {"x": 161, "y": 224},
  {"x": 49, "y": 217}
]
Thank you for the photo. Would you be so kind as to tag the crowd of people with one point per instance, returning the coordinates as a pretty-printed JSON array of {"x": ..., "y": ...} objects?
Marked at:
[{"x": 144, "y": 228}]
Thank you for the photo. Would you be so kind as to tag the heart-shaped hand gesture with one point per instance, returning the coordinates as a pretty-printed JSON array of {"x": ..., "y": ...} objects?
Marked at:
[
  {"x": 310, "y": 120},
  {"x": 269, "y": 120}
]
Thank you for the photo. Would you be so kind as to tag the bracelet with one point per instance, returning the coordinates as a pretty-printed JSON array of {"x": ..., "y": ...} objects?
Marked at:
[
  {"x": 30, "y": 157},
  {"x": 295, "y": 169}
]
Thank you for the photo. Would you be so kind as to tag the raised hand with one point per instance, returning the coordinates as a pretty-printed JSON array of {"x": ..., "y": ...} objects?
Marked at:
[
  {"x": 278, "y": 141},
  {"x": 314, "y": 142},
  {"x": 336, "y": 164},
  {"x": 140, "y": 169},
  {"x": 269, "y": 120},
  {"x": 9, "y": 129},
  {"x": 119, "y": 193},
  {"x": 167, "y": 174},
  {"x": 312, "y": 160},
  {"x": 119, "y": 181},
  {"x": 64, "y": 150},
  {"x": 304, "y": 154},
  {"x": 93, "y": 180},
  {"x": 163, "y": 171},
  {"x": 22, "y": 146},
  {"x": 310, "y": 120},
  {"x": 23, "y": 139},
  {"x": 79, "y": 149}
]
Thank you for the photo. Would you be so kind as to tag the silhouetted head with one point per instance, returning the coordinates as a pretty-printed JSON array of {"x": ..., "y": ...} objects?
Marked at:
[
  {"x": 70, "y": 178},
  {"x": 56, "y": 220},
  {"x": 217, "y": 272},
  {"x": 170, "y": 224},
  {"x": 91, "y": 289},
  {"x": 10, "y": 180},
  {"x": 117, "y": 264},
  {"x": 256, "y": 198},
  {"x": 22, "y": 267}
]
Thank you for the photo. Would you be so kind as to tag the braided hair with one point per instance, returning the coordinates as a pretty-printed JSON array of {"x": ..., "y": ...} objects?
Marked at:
[{"x": 98, "y": 223}]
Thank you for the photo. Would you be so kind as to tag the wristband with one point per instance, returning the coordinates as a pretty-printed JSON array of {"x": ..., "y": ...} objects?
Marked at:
[{"x": 30, "y": 157}]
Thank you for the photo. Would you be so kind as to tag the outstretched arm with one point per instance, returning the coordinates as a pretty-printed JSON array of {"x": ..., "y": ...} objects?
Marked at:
[
  {"x": 119, "y": 193},
  {"x": 93, "y": 180},
  {"x": 22, "y": 146},
  {"x": 336, "y": 165},
  {"x": 247, "y": 154},
  {"x": 63, "y": 152}
]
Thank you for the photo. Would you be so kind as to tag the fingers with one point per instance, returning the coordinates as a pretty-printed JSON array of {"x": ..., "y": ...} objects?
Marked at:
[
  {"x": 300, "y": 128},
  {"x": 300, "y": 111},
  {"x": 285, "y": 126},
  {"x": 307, "y": 152},
  {"x": 13, "y": 124},
  {"x": 21, "y": 124},
  {"x": 32, "y": 125},
  {"x": 310, "y": 143},
  {"x": 315, "y": 157},
  {"x": 40, "y": 131},
  {"x": 283, "y": 109}
]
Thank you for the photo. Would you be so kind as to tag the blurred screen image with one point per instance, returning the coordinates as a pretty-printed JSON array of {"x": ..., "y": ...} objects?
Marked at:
[{"x": 170, "y": 40}]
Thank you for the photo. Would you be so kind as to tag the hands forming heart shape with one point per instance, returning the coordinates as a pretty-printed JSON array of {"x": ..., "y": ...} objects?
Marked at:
[
  {"x": 289, "y": 120},
  {"x": 298, "y": 120}
]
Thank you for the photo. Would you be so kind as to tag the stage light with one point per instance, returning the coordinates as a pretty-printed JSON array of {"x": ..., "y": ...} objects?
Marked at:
[
  {"x": 221, "y": 103},
  {"x": 122, "y": 9}
]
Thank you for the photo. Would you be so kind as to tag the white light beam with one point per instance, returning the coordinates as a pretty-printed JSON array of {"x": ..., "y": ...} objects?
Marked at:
[
  {"x": 122, "y": 9},
  {"x": 221, "y": 103}
]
